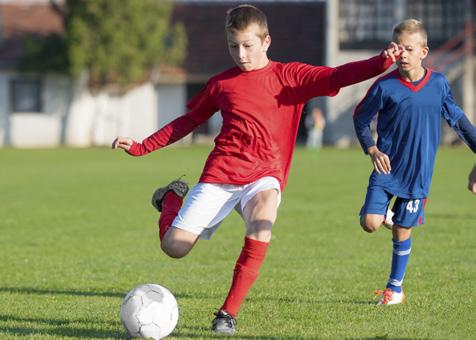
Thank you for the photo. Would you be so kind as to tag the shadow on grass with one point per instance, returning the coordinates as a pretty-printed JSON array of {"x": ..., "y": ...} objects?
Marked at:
[
  {"x": 385, "y": 337},
  {"x": 58, "y": 327},
  {"x": 311, "y": 301},
  {"x": 48, "y": 291},
  {"x": 203, "y": 332},
  {"x": 63, "y": 332},
  {"x": 75, "y": 292},
  {"x": 56, "y": 322}
]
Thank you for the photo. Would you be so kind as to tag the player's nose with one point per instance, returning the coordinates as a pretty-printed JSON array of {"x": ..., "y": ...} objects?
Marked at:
[{"x": 242, "y": 53}]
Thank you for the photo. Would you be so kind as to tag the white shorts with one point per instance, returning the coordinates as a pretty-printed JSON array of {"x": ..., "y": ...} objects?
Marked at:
[{"x": 208, "y": 204}]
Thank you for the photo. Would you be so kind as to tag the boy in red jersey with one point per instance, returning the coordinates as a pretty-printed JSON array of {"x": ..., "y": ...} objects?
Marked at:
[{"x": 261, "y": 103}]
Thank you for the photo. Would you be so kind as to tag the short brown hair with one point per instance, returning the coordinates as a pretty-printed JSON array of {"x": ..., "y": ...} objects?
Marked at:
[
  {"x": 411, "y": 26},
  {"x": 241, "y": 17}
]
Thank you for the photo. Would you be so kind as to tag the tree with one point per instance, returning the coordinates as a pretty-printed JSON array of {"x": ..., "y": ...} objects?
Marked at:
[{"x": 117, "y": 42}]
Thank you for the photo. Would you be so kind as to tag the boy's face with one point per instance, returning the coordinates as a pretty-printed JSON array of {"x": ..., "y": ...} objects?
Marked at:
[
  {"x": 413, "y": 51},
  {"x": 247, "y": 49}
]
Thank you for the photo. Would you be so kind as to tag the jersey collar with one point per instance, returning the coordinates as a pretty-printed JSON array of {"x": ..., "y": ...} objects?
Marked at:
[{"x": 415, "y": 88}]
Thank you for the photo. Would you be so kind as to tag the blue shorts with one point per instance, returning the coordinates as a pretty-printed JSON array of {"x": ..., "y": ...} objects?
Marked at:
[{"x": 409, "y": 212}]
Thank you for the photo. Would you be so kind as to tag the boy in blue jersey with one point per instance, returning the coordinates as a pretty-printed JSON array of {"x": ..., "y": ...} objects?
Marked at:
[{"x": 409, "y": 102}]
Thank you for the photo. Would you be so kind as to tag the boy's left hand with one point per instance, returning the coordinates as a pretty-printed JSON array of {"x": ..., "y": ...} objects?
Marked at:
[{"x": 380, "y": 160}]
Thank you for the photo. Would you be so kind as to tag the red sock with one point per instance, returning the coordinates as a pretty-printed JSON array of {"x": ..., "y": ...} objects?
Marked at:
[
  {"x": 245, "y": 274},
  {"x": 170, "y": 207}
]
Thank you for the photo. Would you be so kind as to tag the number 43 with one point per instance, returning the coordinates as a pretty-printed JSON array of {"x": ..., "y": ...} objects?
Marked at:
[{"x": 412, "y": 206}]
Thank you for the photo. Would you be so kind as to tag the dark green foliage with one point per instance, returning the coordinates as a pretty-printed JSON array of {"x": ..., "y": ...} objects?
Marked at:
[
  {"x": 117, "y": 42},
  {"x": 46, "y": 55}
]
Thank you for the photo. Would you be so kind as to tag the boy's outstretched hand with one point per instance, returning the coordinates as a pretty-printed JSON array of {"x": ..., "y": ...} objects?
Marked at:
[
  {"x": 380, "y": 160},
  {"x": 472, "y": 180},
  {"x": 393, "y": 51},
  {"x": 124, "y": 143}
]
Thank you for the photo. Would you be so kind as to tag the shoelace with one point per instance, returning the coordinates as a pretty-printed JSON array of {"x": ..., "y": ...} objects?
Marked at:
[{"x": 387, "y": 295}]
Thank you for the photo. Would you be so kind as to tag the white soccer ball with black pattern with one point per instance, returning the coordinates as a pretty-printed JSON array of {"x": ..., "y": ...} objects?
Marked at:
[{"x": 149, "y": 311}]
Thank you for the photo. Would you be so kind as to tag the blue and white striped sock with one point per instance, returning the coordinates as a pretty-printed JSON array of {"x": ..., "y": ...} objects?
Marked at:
[{"x": 401, "y": 254}]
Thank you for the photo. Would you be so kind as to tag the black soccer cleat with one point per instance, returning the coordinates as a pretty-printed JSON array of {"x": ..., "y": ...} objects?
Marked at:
[
  {"x": 178, "y": 186},
  {"x": 223, "y": 323}
]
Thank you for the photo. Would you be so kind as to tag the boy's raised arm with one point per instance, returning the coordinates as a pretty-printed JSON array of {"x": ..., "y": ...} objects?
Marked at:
[
  {"x": 170, "y": 133},
  {"x": 357, "y": 71}
]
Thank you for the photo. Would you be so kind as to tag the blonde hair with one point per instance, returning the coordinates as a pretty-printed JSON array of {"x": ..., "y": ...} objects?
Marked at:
[
  {"x": 411, "y": 26},
  {"x": 241, "y": 17}
]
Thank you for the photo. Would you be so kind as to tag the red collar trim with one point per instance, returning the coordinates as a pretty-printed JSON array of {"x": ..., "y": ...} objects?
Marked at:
[{"x": 422, "y": 83}]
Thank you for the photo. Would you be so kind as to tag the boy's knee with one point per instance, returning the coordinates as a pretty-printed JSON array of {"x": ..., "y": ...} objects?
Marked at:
[
  {"x": 177, "y": 243},
  {"x": 175, "y": 248},
  {"x": 173, "y": 251},
  {"x": 371, "y": 224},
  {"x": 260, "y": 230}
]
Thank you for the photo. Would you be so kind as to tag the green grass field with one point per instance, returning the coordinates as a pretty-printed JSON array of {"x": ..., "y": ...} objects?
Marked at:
[{"x": 77, "y": 232}]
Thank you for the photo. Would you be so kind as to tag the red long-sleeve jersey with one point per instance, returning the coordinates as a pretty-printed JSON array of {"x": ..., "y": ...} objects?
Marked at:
[{"x": 261, "y": 110}]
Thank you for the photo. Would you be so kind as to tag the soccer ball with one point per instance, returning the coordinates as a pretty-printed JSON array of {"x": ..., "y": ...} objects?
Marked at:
[{"x": 149, "y": 311}]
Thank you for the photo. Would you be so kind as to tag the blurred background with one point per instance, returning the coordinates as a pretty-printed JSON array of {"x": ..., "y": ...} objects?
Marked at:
[{"x": 79, "y": 73}]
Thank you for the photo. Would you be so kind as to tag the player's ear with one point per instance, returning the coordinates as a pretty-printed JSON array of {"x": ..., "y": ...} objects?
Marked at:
[
  {"x": 424, "y": 52},
  {"x": 266, "y": 43}
]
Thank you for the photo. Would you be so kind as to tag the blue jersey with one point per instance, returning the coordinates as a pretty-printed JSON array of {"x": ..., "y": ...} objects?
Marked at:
[{"x": 408, "y": 128}]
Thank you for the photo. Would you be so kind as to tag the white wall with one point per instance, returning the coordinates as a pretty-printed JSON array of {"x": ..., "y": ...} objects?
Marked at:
[
  {"x": 42, "y": 129},
  {"x": 96, "y": 119},
  {"x": 138, "y": 110},
  {"x": 4, "y": 107},
  {"x": 34, "y": 130},
  {"x": 73, "y": 116},
  {"x": 172, "y": 101}
]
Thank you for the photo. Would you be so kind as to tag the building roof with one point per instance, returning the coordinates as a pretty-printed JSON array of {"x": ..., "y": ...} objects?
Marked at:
[{"x": 18, "y": 21}]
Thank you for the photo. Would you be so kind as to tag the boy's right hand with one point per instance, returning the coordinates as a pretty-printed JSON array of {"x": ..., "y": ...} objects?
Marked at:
[
  {"x": 124, "y": 143},
  {"x": 380, "y": 160}
]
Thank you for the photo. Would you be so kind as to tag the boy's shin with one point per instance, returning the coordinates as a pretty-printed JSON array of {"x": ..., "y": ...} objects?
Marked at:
[{"x": 245, "y": 274}]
